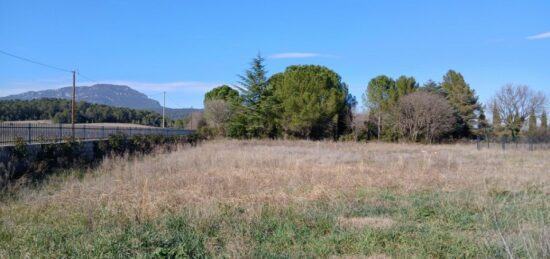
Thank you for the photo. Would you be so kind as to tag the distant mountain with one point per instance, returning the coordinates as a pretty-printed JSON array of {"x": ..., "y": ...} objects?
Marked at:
[{"x": 112, "y": 95}]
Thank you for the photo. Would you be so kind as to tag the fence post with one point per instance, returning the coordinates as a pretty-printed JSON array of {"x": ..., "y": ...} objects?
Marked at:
[
  {"x": 503, "y": 142},
  {"x": 103, "y": 132},
  {"x": 477, "y": 143},
  {"x": 29, "y": 133},
  {"x": 84, "y": 132}
]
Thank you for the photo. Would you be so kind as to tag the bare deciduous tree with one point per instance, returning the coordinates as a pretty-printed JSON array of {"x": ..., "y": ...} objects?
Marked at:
[
  {"x": 423, "y": 114},
  {"x": 196, "y": 121},
  {"x": 217, "y": 113},
  {"x": 514, "y": 103}
]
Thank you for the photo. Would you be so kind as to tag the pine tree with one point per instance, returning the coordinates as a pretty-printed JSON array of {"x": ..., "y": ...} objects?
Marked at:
[
  {"x": 312, "y": 100},
  {"x": 250, "y": 120},
  {"x": 432, "y": 87},
  {"x": 464, "y": 101},
  {"x": 253, "y": 83},
  {"x": 404, "y": 85}
]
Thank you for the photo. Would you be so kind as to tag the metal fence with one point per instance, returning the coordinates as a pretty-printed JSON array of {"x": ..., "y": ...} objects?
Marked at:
[
  {"x": 518, "y": 143},
  {"x": 51, "y": 133}
]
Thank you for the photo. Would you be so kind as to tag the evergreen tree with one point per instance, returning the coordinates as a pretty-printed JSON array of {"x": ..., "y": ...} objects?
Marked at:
[
  {"x": 254, "y": 82},
  {"x": 253, "y": 119},
  {"x": 311, "y": 98},
  {"x": 224, "y": 93},
  {"x": 432, "y": 87},
  {"x": 543, "y": 121},
  {"x": 464, "y": 101},
  {"x": 404, "y": 85}
]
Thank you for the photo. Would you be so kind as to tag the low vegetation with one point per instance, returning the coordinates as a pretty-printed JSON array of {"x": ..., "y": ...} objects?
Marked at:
[
  {"x": 28, "y": 164},
  {"x": 290, "y": 199}
]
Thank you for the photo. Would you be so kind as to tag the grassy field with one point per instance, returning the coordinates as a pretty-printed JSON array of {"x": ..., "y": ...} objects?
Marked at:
[{"x": 278, "y": 199}]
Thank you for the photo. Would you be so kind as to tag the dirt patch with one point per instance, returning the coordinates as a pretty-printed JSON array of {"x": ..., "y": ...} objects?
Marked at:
[{"x": 363, "y": 222}]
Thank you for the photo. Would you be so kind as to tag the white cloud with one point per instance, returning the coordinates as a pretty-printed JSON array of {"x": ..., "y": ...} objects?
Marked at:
[
  {"x": 544, "y": 35},
  {"x": 288, "y": 55}
]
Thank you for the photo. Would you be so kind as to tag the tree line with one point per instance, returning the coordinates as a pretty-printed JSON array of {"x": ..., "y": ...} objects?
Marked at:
[
  {"x": 59, "y": 111},
  {"x": 313, "y": 102},
  {"x": 306, "y": 102}
]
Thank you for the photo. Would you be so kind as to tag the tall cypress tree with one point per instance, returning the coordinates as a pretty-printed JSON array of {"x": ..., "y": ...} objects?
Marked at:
[{"x": 464, "y": 101}]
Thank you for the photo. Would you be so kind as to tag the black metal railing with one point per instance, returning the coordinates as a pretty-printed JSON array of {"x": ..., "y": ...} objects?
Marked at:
[
  {"x": 528, "y": 143},
  {"x": 30, "y": 133}
]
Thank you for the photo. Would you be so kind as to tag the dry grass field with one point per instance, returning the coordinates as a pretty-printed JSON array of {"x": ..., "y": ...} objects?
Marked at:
[{"x": 290, "y": 199}]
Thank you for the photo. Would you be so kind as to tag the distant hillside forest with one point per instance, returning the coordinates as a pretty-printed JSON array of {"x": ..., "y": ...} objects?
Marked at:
[{"x": 59, "y": 111}]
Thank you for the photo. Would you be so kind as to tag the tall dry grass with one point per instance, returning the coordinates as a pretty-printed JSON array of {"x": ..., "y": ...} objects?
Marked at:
[
  {"x": 289, "y": 172},
  {"x": 292, "y": 198}
]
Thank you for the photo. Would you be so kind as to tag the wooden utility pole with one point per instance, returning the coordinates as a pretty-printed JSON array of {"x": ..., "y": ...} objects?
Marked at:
[
  {"x": 73, "y": 104},
  {"x": 163, "y": 107}
]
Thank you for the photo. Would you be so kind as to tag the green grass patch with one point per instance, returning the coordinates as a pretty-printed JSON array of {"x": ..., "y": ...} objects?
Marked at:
[{"x": 428, "y": 224}]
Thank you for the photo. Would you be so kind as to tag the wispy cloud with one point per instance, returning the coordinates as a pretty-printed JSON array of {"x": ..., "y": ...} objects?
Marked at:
[
  {"x": 540, "y": 36},
  {"x": 288, "y": 55}
]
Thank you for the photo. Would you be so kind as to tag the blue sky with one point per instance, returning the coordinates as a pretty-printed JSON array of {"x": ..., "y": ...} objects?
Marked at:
[{"x": 189, "y": 47}]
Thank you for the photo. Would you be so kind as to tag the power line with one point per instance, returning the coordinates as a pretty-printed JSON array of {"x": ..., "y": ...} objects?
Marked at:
[
  {"x": 35, "y": 62},
  {"x": 86, "y": 77},
  {"x": 46, "y": 65}
]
